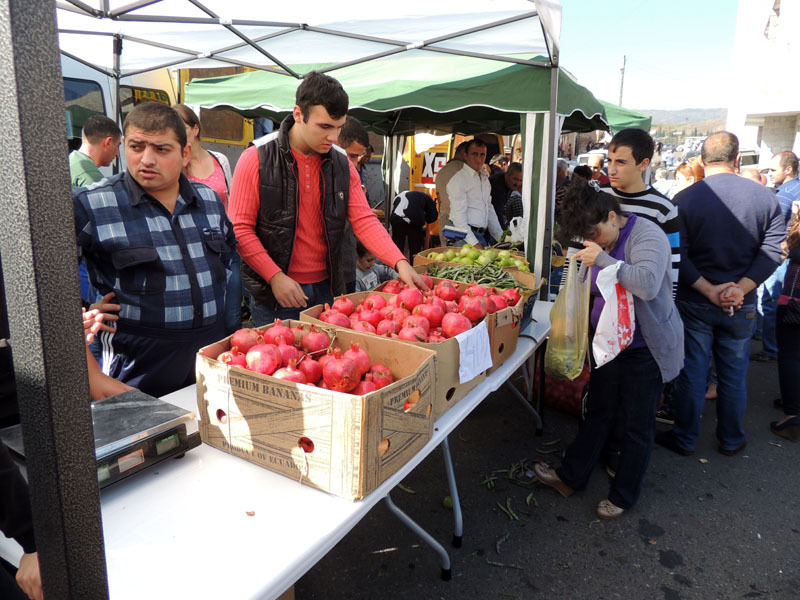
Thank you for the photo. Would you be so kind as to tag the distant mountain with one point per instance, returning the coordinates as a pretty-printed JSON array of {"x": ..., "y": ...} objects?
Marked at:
[{"x": 686, "y": 115}]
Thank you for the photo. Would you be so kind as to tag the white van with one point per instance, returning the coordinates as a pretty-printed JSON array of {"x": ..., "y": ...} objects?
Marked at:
[{"x": 89, "y": 92}]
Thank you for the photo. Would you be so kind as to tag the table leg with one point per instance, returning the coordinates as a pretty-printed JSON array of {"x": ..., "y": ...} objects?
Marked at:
[
  {"x": 426, "y": 537},
  {"x": 458, "y": 527},
  {"x": 526, "y": 404}
]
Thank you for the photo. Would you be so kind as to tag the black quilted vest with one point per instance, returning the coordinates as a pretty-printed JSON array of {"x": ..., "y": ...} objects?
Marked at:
[{"x": 277, "y": 216}]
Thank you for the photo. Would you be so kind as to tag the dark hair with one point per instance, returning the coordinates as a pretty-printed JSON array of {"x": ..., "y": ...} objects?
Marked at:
[
  {"x": 154, "y": 116},
  {"x": 99, "y": 127},
  {"x": 514, "y": 167},
  {"x": 721, "y": 147},
  {"x": 462, "y": 147},
  {"x": 584, "y": 171},
  {"x": 788, "y": 159},
  {"x": 320, "y": 89},
  {"x": 475, "y": 142},
  {"x": 361, "y": 249},
  {"x": 583, "y": 208},
  {"x": 639, "y": 141},
  {"x": 189, "y": 116},
  {"x": 353, "y": 131}
]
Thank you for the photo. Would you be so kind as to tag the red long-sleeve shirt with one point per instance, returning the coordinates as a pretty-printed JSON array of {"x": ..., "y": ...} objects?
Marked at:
[{"x": 308, "y": 264}]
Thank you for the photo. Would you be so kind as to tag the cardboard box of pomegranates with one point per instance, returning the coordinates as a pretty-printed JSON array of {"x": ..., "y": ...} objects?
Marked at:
[
  {"x": 369, "y": 412},
  {"x": 459, "y": 366}
]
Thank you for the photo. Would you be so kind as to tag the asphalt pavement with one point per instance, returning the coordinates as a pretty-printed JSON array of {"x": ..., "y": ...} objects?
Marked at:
[{"x": 706, "y": 526}]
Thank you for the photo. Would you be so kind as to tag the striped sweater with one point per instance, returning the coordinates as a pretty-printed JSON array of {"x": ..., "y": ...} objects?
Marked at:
[{"x": 654, "y": 206}]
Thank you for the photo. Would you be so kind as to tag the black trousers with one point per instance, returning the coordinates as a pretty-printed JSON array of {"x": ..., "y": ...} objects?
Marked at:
[{"x": 402, "y": 232}]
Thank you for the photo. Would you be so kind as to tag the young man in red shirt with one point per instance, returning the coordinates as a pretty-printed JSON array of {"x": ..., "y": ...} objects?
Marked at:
[{"x": 292, "y": 193}]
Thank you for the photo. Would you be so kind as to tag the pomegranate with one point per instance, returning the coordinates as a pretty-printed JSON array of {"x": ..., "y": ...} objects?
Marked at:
[
  {"x": 512, "y": 296},
  {"x": 475, "y": 290},
  {"x": 290, "y": 373},
  {"x": 364, "y": 327},
  {"x": 474, "y": 308},
  {"x": 373, "y": 317},
  {"x": 450, "y": 306},
  {"x": 263, "y": 358},
  {"x": 491, "y": 307},
  {"x": 417, "y": 321},
  {"x": 233, "y": 358},
  {"x": 432, "y": 312},
  {"x": 272, "y": 334},
  {"x": 358, "y": 356},
  {"x": 340, "y": 373},
  {"x": 393, "y": 287},
  {"x": 374, "y": 301},
  {"x": 315, "y": 340},
  {"x": 446, "y": 291},
  {"x": 396, "y": 313},
  {"x": 344, "y": 305},
  {"x": 299, "y": 332},
  {"x": 327, "y": 311},
  {"x": 365, "y": 386},
  {"x": 434, "y": 300},
  {"x": 387, "y": 326},
  {"x": 409, "y": 298},
  {"x": 412, "y": 334},
  {"x": 455, "y": 323},
  {"x": 288, "y": 352},
  {"x": 427, "y": 280},
  {"x": 499, "y": 301},
  {"x": 381, "y": 375},
  {"x": 246, "y": 338},
  {"x": 339, "y": 319},
  {"x": 435, "y": 337},
  {"x": 311, "y": 369},
  {"x": 325, "y": 357}
]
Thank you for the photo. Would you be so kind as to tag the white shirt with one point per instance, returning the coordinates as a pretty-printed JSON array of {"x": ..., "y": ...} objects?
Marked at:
[{"x": 470, "y": 195}]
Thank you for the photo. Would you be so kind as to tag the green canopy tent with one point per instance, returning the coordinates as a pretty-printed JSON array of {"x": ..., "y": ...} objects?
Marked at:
[
  {"x": 412, "y": 92},
  {"x": 621, "y": 118}
]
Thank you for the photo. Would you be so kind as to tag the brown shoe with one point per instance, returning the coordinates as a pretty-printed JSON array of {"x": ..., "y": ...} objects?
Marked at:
[
  {"x": 549, "y": 477},
  {"x": 608, "y": 510}
]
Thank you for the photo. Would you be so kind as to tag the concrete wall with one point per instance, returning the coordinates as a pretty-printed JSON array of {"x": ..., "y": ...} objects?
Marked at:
[{"x": 779, "y": 133}]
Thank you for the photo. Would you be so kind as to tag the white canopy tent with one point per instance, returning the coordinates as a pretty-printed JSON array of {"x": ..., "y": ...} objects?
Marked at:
[{"x": 126, "y": 38}]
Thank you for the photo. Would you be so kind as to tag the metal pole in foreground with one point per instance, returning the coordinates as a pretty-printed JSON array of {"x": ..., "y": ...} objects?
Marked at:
[
  {"x": 621, "y": 79},
  {"x": 37, "y": 244}
]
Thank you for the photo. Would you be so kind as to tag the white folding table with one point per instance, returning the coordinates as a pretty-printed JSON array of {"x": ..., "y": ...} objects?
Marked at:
[{"x": 210, "y": 525}]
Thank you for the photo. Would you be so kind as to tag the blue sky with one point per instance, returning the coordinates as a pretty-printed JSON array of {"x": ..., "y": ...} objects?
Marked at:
[{"x": 678, "y": 52}]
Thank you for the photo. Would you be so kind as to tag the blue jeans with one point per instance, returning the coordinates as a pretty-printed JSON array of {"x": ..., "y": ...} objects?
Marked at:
[
  {"x": 769, "y": 291},
  {"x": 708, "y": 331},
  {"x": 233, "y": 297},
  {"x": 318, "y": 293},
  {"x": 628, "y": 389}
]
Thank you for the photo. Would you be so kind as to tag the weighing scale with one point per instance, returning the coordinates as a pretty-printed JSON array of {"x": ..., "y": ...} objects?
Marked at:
[{"x": 132, "y": 431}]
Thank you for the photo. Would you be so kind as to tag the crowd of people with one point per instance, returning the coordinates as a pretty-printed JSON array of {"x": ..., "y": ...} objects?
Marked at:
[
  {"x": 169, "y": 247},
  {"x": 696, "y": 265}
]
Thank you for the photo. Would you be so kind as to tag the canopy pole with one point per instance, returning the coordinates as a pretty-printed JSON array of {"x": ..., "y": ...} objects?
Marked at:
[
  {"x": 39, "y": 259},
  {"x": 117, "y": 75},
  {"x": 549, "y": 151}
]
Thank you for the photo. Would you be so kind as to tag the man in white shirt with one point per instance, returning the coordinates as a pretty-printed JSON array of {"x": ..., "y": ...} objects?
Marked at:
[{"x": 471, "y": 207}]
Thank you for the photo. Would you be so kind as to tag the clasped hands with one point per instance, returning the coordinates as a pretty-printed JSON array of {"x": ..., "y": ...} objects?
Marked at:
[{"x": 728, "y": 296}]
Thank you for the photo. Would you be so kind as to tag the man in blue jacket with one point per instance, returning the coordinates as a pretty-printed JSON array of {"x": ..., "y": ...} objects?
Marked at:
[{"x": 731, "y": 233}]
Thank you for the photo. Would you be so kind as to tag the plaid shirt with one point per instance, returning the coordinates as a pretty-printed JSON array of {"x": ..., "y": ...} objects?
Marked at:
[{"x": 167, "y": 270}]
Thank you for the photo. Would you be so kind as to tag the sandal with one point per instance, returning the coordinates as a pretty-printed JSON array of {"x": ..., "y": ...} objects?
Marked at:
[{"x": 608, "y": 510}]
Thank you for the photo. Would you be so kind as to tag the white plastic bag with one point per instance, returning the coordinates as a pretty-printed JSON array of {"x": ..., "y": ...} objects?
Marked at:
[{"x": 616, "y": 325}]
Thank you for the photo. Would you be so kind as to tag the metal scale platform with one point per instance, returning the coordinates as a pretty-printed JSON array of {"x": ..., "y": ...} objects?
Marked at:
[{"x": 132, "y": 431}]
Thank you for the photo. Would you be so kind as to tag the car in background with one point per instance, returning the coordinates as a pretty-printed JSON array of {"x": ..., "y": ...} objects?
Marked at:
[{"x": 748, "y": 158}]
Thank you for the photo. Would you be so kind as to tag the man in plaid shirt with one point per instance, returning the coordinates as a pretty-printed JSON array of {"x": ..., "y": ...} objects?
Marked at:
[{"x": 163, "y": 245}]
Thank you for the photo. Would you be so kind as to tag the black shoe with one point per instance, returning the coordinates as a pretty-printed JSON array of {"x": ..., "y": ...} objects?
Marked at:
[
  {"x": 665, "y": 416},
  {"x": 763, "y": 357},
  {"x": 667, "y": 440},
  {"x": 789, "y": 429},
  {"x": 736, "y": 450}
]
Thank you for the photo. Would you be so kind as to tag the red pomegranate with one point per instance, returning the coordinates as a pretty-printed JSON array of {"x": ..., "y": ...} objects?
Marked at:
[
  {"x": 474, "y": 308},
  {"x": 299, "y": 332},
  {"x": 396, "y": 313},
  {"x": 409, "y": 298},
  {"x": 288, "y": 352},
  {"x": 311, "y": 369},
  {"x": 364, "y": 327},
  {"x": 326, "y": 357},
  {"x": 272, "y": 334},
  {"x": 393, "y": 287},
  {"x": 344, "y": 305},
  {"x": 233, "y": 358},
  {"x": 499, "y": 301},
  {"x": 373, "y": 317},
  {"x": 339, "y": 319},
  {"x": 412, "y": 334},
  {"x": 450, "y": 306},
  {"x": 432, "y": 312},
  {"x": 340, "y": 373},
  {"x": 455, "y": 323},
  {"x": 263, "y": 358},
  {"x": 315, "y": 340},
  {"x": 427, "y": 280},
  {"x": 446, "y": 291},
  {"x": 246, "y": 338},
  {"x": 327, "y": 311},
  {"x": 290, "y": 373},
  {"x": 417, "y": 321},
  {"x": 374, "y": 301},
  {"x": 512, "y": 296},
  {"x": 435, "y": 300},
  {"x": 359, "y": 356},
  {"x": 364, "y": 386},
  {"x": 475, "y": 290},
  {"x": 381, "y": 375}
]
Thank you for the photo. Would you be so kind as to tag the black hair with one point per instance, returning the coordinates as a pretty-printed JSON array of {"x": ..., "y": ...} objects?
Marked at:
[
  {"x": 788, "y": 159},
  {"x": 583, "y": 208},
  {"x": 638, "y": 140},
  {"x": 513, "y": 167},
  {"x": 475, "y": 142},
  {"x": 584, "y": 171},
  {"x": 462, "y": 147},
  {"x": 154, "y": 116},
  {"x": 361, "y": 249},
  {"x": 99, "y": 127},
  {"x": 320, "y": 89},
  {"x": 353, "y": 131},
  {"x": 721, "y": 147}
]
